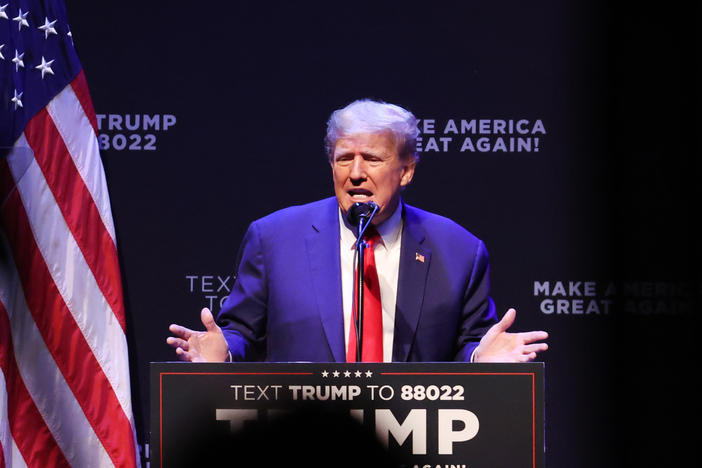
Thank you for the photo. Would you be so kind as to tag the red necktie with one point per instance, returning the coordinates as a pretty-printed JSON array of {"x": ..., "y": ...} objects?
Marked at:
[{"x": 372, "y": 310}]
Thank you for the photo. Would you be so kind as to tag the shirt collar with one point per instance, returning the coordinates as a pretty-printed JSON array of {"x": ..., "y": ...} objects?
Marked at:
[{"x": 389, "y": 230}]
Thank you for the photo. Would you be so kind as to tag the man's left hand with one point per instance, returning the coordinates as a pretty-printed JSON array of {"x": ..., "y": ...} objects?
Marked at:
[{"x": 500, "y": 346}]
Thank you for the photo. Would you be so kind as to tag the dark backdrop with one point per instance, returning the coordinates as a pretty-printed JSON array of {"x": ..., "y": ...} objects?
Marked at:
[{"x": 212, "y": 115}]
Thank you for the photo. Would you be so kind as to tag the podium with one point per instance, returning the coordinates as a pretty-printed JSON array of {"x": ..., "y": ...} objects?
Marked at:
[{"x": 334, "y": 414}]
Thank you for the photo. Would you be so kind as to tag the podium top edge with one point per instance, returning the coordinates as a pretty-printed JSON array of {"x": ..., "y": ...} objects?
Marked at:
[{"x": 403, "y": 365}]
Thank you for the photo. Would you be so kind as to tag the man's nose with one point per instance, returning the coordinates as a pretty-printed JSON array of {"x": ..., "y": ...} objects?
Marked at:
[{"x": 358, "y": 168}]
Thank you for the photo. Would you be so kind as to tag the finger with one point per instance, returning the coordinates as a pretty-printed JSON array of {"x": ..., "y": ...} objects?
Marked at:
[
  {"x": 180, "y": 331},
  {"x": 177, "y": 343},
  {"x": 507, "y": 320},
  {"x": 183, "y": 355},
  {"x": 530, "y": 337},
  {"x": 527, "y": 357},
  {"x": 535, "y": 348},
  {"x": 208, "y": 320},
  {"x": 187, "y": 356}
]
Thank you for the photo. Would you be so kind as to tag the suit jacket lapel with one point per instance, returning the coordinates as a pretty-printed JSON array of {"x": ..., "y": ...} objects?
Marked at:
[
  {"x": 414, "y": 267},
  {"x": 325, "y": 269}
]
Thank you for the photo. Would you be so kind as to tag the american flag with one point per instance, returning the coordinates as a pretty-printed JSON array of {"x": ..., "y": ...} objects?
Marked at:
[{"x": 64, "y": 375}]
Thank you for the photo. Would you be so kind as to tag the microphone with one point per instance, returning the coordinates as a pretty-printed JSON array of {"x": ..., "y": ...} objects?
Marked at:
[{"x": 361, "y": 214}]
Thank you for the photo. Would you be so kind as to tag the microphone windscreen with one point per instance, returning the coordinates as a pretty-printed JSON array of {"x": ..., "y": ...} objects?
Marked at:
[{"x": 359, "y": 210}]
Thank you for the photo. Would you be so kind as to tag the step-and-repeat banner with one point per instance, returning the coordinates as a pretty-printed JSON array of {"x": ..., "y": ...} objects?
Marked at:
[{"x": 557, "y": 132}]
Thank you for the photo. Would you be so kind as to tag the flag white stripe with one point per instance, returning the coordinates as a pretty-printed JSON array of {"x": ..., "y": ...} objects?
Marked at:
[
  {"x": 17, "y": 458},
  {"x": 6, "y": 441},
  {"x": 43, "y": 379},
  {"x": 73, "y": 126},
  {"x": 66, "y": 263},
  {"x": 11, "y": 454}
]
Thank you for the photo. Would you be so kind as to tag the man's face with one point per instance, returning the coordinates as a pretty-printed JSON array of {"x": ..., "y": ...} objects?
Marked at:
[{"x": 366, "y": 167}]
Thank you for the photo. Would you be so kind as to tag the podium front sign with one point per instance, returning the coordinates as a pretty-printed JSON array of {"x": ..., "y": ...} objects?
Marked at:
[{"x": 423, "y": 414}]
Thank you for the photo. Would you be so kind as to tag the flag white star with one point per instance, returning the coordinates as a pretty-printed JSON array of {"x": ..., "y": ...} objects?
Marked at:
[
  {"x": 335, "y": 373},
  {"x": 48, "y": 27},
  {"x": 45, "y": 67},
  {"x": 2, "y": 56},
  {"x": 70, "y": 35},
  {"x": 2, "y": 11},
  {"x": 18, "y": 60},
  {"x": 347, "y": 374},
  {"x": 21, "y": 19},
  {"x": 17, "y": 100},
  {"x": 325, "y": 374},
  {"x": 369, "y": 373},
  {"x": 357, "y": 373}
]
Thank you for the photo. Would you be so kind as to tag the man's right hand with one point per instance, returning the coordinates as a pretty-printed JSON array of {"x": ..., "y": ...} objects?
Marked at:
[{"x": 199, "y": 346}]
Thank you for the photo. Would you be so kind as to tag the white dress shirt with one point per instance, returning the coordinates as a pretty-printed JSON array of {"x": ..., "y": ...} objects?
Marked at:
[{"x": 387, "y": 261}]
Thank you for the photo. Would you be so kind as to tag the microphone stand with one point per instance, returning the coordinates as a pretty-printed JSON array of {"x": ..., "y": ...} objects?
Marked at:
[{"x": 364, "y": 220}]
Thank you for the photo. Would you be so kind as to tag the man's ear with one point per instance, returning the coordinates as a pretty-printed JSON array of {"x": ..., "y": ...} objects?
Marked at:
[{"x": 407, "y": 172}]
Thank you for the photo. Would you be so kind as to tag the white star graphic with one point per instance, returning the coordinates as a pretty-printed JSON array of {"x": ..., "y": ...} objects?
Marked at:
[
  {"x": 325, "y": 374},
  {"x": 369, "y": 373},
  {"x": 21, "y": 19},
  {"x": 2, "y": 11},
  {"x": 70, "y": 35},
  {"x": 347, "y": 374},
  {"x": 357, "y": 373},
  {"x": 18, "y": 60},
  {"x": 335, "y": 373},
  {"x": 17, "y": 100},
  {"x": 45, "y": 67},
  {"x": 2, "y": 56},
  {"x": 48, "y": 27}
]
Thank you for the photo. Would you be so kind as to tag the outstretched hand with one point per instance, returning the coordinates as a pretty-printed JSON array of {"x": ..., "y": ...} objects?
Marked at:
[
  {"x": 199, "y": 346},
  {"x": 498, "y": 345}
]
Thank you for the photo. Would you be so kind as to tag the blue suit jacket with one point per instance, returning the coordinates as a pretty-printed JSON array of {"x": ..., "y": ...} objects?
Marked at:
[{"x": 286, "y": 305}]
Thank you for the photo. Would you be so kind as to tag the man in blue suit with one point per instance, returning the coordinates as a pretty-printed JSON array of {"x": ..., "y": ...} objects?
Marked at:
[{"x": 292, "y": 297}]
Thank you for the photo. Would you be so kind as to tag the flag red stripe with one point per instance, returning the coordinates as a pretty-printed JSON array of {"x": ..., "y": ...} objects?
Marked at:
[
  {"x": 65, "y": 341},
  {"x": 80, "y": 87},
  {"x": 33, "y": 438},
  {"x": 78, "y": 208}
]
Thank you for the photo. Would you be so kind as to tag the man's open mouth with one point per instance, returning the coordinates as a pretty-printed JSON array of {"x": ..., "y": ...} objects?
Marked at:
[{"x": 360, "y": 194}]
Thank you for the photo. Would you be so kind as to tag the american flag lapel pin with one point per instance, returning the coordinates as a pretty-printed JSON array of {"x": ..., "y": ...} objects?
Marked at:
[{"x": 419, "y": 257}]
